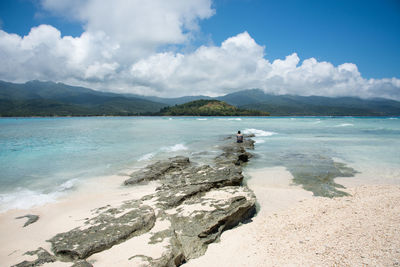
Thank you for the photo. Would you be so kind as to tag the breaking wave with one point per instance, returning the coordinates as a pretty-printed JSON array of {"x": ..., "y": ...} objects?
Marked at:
[
  {"x": 258, "y": 132},
  {"x": 147, "y": 156},
  {"x": 231, "y": 119},
  {"x": 344, "y": 125},
  {"x": 174, "y": 148},
  {"x": 26, "y": 198}
]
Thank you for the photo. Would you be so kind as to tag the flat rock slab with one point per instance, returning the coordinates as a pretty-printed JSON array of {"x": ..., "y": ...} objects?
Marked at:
[
  {"x": 194, "y": 180},
  {"x": 200, "y": 221},
  {"x": 158, "y": 169},
  {"x": 110, "y": 227}
]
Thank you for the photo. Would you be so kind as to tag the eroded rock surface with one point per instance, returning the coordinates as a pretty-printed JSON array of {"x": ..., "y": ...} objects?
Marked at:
[
  {"x": 110, "y": 227},
  {"x": 158, "y": 170},
  {"x": 200, "y": 221},
  {"x": 42, "y": 257},
  {"x": 193, "y": 203}
]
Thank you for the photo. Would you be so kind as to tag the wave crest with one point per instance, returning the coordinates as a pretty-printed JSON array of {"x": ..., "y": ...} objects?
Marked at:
[
  {"x": 344, "y": 125},
  {"x": 174, "y": 148},
  {"x": 26, "y": 198},
  {"x": 145, "y": 157},
  {"x": 258, "y": 132}
]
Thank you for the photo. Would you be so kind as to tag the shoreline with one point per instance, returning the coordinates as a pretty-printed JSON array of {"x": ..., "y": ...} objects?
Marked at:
[
  {"x": 279, "y": 203},
  {"x": 103, "y": 218}
]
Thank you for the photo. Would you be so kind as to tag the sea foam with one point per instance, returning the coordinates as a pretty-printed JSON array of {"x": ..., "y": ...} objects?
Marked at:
[
  {"x": 258, "y": 132},
  {"x": 344, "y": 125},
  {"x": 24, "y": 198},
  {"x": 230, "y": 119},
  {"x": 147, "y": 156},
  {"x": 174, "y": 148}
]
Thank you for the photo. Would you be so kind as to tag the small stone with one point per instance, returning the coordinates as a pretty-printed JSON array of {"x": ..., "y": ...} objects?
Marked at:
[{"x": 31, "y": 219}]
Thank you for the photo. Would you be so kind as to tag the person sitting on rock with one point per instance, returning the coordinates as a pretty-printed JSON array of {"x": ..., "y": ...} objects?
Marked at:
[{"x": 239, "y": 137}]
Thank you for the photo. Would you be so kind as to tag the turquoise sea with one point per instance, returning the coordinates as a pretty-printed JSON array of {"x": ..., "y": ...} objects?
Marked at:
[{"x": 44, "y": 158}]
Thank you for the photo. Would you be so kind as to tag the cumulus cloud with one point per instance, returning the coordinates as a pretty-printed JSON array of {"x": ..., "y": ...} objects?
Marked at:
[
  {"x": 138, "y": 26},
  {"x": 240, "y": 63},
  {"x": 120, "y": 50},
  {"x": 44, "y": 54},
  {"x": 116, "y": 34}
]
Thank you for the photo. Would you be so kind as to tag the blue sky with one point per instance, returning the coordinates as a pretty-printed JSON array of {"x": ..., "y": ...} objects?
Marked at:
[{"x": 364, "y": 33}]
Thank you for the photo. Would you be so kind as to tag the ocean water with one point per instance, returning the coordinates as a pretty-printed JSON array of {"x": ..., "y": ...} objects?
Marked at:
[{"x": 44, "y": 158}]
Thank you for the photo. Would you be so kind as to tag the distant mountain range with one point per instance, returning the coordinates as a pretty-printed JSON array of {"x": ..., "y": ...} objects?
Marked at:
[
  {"x": 36, "y": 98},
  {"x": 284, "y": 105}
]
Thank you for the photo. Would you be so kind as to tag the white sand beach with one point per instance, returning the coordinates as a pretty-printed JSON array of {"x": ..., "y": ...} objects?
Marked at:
[
  {"x": 292, "y": 228},
  {"x": 67, "y": 213}
]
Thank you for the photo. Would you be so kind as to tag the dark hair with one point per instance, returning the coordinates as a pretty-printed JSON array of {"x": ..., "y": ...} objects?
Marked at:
[{"x": 238, "y": 132}]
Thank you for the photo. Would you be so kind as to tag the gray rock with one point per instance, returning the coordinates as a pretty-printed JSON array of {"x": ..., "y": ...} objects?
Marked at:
[
  {"x": 157, "y": 170},
  {"x": 43, "y": 256},
  {"x": 31, "y": 219},
  {"x": 110, "y": 227},
  {"x": 235, "y": 153},
  {"x": 82, "y": 263},
  {"x": 195, "y": 180},
  {"x": 200, "y": 221}
]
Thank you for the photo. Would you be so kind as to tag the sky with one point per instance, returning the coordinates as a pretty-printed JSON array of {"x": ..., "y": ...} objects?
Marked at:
[{"x": 205, "y": 47}]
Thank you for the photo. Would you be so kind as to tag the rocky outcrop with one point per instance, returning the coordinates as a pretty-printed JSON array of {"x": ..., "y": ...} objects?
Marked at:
[
  {"x": 190, "y": 208},
  {"x": 236, "y": 152}
]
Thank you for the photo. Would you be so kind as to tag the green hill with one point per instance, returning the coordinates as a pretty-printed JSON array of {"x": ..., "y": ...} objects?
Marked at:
[
  {"x": 37, "y": 98},
  {"x": 208, "y": 108}
]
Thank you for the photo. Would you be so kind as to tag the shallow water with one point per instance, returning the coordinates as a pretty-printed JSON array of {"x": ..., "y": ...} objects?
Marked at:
[{"x": 43, "y": 158}]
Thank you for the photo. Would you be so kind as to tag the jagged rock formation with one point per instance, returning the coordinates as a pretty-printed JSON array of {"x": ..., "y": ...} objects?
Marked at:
[{"x": 192, "y": 205}]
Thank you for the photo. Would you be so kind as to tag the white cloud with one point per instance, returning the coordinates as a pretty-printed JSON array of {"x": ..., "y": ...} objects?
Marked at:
[
  {"x": 138, "y": 26},
  {"x": 240, "y": 63},
  {"x": 119, "y": 50},
  {"x": 116, "y": 34},
  {"x": 44, "y": 54}
]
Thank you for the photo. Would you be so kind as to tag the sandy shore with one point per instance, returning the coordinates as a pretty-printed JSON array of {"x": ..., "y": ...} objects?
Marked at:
[
  {"x": 291, "y": 228},
  {"x": 295, "y": 229},
  {"x": 61, "y": 216}
]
